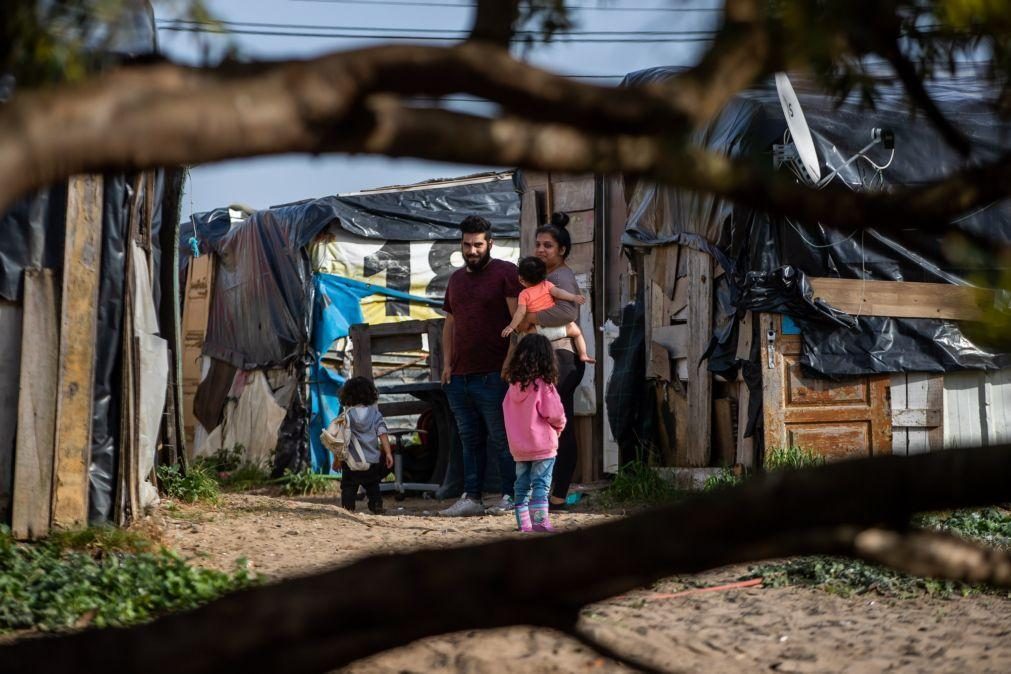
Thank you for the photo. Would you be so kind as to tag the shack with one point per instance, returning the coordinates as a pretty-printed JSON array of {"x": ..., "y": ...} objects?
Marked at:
[
  {"x": 756, "y": 332},
  {"x": 274, "y": 295}
]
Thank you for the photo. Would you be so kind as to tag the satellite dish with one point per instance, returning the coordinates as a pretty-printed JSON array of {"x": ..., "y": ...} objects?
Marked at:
[{"x": 798, "y": 129}]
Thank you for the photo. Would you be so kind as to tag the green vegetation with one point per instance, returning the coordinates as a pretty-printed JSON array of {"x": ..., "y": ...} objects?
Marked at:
[
  {"x": 101, "y": 577},
  {"x": 233, "y": 472},
  {"x": 792, "y": 458},
  {"x": 197, "y": 484},
  {"x": 848, "y": 577},
  {"x": 725, "y": 478},
  {"x": 637, "y": 482},
  {"x": 304, "y": 483}
]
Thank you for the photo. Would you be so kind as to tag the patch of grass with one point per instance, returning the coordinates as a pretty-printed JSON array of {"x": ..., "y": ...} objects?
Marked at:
[
  {"x": 848, "y": 577},
  {"x": 304, "y": 483},
  {"x": 65, "y": 582},
  {"x": 792, "y": 458},
  {"x": 232, "y": 471},
  {"x": 197, "y": 484},
  {"x": 637, "y": 482},
  {"x": 98, "y": 541},
  {"x": 725, "y": 478}
]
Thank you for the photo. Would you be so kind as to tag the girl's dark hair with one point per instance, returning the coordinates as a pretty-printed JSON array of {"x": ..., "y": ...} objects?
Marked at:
[
  {"x": 532, "y": 270},
  {"x": 556, "y": 228},
  {"x": 358, "y": 391},
  {"x": 533, "y": 359}
]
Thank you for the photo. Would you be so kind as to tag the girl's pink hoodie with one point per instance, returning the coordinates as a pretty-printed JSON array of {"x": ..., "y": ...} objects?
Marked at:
[{"x": 534, "y": 419}]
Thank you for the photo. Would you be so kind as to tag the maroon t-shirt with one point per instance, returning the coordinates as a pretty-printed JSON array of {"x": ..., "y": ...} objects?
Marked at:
[{"x": 477, "y": 300}]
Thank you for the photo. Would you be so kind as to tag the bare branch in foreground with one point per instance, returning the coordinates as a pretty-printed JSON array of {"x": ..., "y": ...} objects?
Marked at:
[
  {"x": 936, "y": 555},
  {"x": 319, "y": 622}
]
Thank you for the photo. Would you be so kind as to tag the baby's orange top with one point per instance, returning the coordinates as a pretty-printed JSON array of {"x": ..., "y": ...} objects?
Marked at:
[{"x": 538, "y": 297}]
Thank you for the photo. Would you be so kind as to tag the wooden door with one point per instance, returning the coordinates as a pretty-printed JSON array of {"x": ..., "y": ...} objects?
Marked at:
[{"x": 837, "y": 419}]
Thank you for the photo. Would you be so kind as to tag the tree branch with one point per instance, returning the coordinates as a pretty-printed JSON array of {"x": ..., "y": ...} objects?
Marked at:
[
  {"x": 324, "y": 621},
  {"x": 921, "y": 98},
  {"x": 494, "y": 21}
]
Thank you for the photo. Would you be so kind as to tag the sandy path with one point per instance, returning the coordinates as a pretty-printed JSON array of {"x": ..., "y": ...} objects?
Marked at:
[{"x": 785, "y": 630}]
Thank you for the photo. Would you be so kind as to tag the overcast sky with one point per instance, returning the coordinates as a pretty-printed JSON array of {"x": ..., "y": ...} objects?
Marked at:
[{"x": 273, "y": 180}]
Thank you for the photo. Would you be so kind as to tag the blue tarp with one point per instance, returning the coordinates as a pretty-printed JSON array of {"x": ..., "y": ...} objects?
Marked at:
[{"x": 336, "y": 308}]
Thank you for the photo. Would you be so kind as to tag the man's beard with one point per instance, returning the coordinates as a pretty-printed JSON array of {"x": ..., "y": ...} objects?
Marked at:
[{"x": 477, "y": 264}]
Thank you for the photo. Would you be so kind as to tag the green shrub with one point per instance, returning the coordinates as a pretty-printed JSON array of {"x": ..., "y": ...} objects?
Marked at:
[
  {"x": 304, "y": 482},
  {"x": 47, "y": 586},
  {"x": 725, "y": 478},
  {"x": 791, "y": 458},
  {"x": 197, "y": 484},
  {"x": 638, "y": 482}
]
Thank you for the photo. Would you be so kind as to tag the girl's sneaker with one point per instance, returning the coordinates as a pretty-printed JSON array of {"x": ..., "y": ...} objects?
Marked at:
[{"x": 465, "y": 507}]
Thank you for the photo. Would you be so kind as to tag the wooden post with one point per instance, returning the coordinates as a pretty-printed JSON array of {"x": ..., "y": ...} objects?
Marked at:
[
  {"x": 700, "y": 315},
  {"x": 78, "y": 324},
  {"x": 745, "y": 446},
  {"x": 36, "y": 406},
  {"x": 361, "y": 363},
  {"x": 434, "y": 329}
]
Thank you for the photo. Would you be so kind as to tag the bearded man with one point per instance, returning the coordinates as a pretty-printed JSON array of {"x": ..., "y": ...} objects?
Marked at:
[{"x": 480, "y": 301}]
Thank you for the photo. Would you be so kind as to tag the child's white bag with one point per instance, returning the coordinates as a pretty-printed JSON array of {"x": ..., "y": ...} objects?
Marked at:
[{"x": 342, "y": 443}]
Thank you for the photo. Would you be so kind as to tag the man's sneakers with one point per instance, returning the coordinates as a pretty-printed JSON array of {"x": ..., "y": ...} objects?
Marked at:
[
  {"x": 468, "y": 507},
  {"x": 504, "y": 506},
  {"x": 465, "y": 507}
]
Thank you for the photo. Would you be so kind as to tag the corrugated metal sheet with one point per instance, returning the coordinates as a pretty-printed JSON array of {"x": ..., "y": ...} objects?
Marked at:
[{"x": 977, "y": 408}]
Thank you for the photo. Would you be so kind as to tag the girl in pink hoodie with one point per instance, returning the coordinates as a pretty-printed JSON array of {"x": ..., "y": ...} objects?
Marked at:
[{"x": 534, "y": 418}]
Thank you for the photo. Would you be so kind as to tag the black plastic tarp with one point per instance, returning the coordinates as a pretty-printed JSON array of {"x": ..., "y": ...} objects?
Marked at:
[
  {"x": 418, "y": 213},
  {"x": 262, "y": 291},
  {"x": 770, "y": 258}
]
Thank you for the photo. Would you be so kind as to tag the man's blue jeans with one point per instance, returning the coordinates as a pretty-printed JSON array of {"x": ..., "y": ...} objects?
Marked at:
[
  {"x": 533, "y": 479},
  {"x": 476, "y": 401}
]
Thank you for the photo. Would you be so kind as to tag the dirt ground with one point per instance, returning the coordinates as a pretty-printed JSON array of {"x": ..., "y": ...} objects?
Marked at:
[{"x": 741, "y": 630}]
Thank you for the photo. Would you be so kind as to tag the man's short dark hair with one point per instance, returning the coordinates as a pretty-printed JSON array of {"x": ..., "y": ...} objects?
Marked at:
[
  {"x": 532, "y": 270},
  {"x": 475, "y": 224}
]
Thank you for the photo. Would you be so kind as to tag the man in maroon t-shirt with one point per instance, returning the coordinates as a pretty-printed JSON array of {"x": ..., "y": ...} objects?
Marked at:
[{"x": 480, "y": 301}]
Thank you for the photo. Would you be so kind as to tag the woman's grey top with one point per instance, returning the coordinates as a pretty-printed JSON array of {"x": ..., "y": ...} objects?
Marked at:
[
  {"x": 367, "y": 424},
  {"x": 562, "y": 313}
]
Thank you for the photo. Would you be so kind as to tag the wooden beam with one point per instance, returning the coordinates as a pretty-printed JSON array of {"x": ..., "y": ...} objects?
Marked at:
[
  {"x": 435, "y": 349},
  {"x": 700, "y": 315},
  {"x": 403, "y": 408},
  {"x": 361, "y": 358},
  {"x": 745, "y": 446},
  {"x": 78, "y": 325},
  {"x": 917, "y": 418},
  {"x": 40, "y": 351},
  {"x": 674, "y": 338},
  {"x": 903, "y": 299},
  {"x": 723, "y": 432}
]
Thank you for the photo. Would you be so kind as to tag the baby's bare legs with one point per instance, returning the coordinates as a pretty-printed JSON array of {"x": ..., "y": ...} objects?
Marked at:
[{"x": 572, "y": 330}]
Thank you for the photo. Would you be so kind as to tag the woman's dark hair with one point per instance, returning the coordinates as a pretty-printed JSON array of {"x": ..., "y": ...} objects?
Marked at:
[
  {"x": 358, "y": 391},
  {"x": 532, "y": 270},
  {"x": 533, "y": 359},
  {"x": 556, "y": 228}
]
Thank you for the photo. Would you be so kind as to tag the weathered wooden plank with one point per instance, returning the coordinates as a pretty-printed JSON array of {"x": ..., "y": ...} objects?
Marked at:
[
  {"x": 361, "y": 353},
  {"x": 723, "y": 432},
  {"x": 916, "y": 418},
  {"x": 587, "y": 465},
  {"x": 573, "y": 195},
  {"x": 529, "y": 221},
  {"x": 10, "y": 369},
  {"x": 674, "y": 338},
  {"x": 658, "y": 365},
  {"x": 999, "y": 430},
  {"x": 417, "y": 327},
  {"x": 36, "y": 407},
  {"x": 435, "y": 352},
  {"x": 772, "y": 382},
  {"x": 581, "y": 259},
  {"x": 903, "y": 299},
  {"x": 745, "y": 446},
  {"x": 680, "y": 300},
  {"x": 679, "y": 408},
  {"x": 900, "y": 435},
  {"x": 700, "y": 313},
  {"x": 196, "y": 312},
  {"x": 78, "y": 324},
  {"x": 581, "y": 226},
  {"x": 934, "y": 401},
  {"x": 964, "y": 424},
  {"x": 744, "y": 337}
]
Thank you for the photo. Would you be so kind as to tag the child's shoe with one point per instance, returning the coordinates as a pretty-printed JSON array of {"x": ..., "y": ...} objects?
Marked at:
[
  {"x": 539, "y": 516},
  {"x": 523, "y": 518}
]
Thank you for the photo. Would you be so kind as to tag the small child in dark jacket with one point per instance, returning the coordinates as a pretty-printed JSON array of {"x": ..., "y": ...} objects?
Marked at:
[{"x": 359, "y": 397}]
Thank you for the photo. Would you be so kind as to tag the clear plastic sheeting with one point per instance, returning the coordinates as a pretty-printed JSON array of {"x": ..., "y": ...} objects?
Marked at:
[{"x": 774, "y": 256}]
